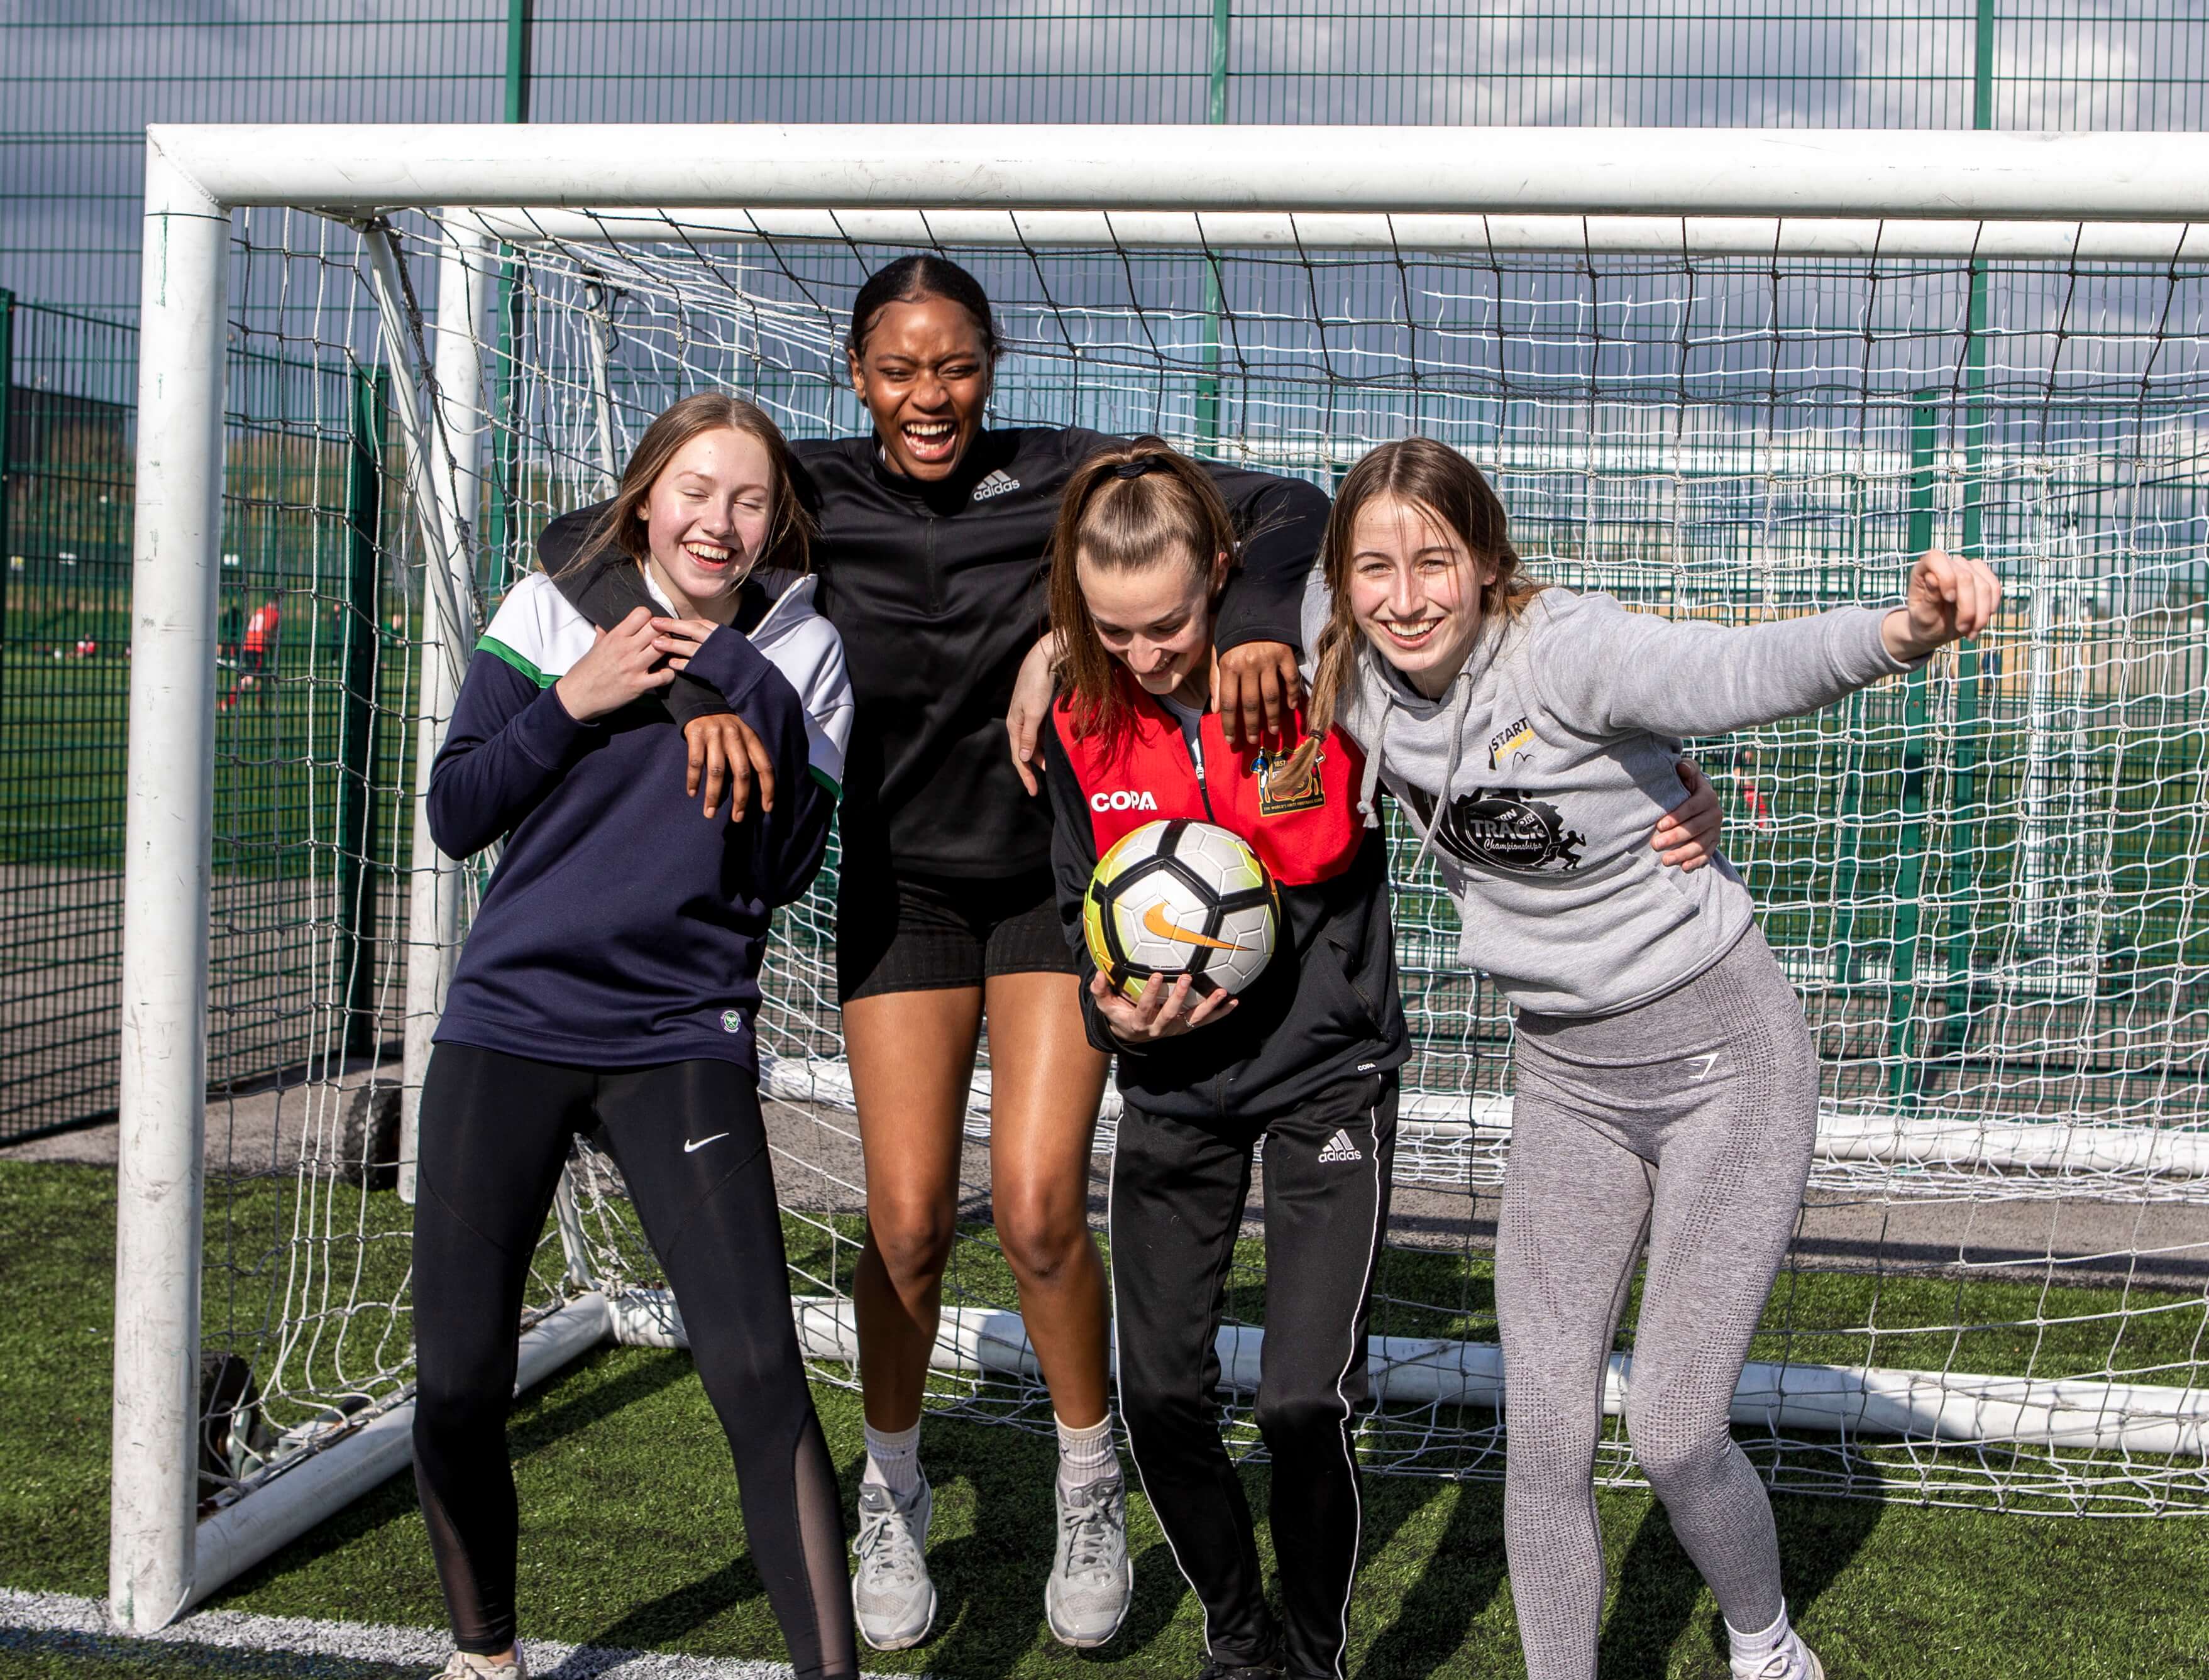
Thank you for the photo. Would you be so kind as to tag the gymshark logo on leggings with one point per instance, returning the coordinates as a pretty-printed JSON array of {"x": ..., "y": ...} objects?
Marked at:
[
  {"x": 1339, "y": 1147},
  {"x": 1701, "y": 1066}
]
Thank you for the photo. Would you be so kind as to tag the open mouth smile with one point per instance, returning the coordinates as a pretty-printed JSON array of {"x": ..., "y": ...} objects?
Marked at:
[
  {"x": 1411, "y": 636},
  {"x": 711, "y": 556},
  {"x": 929, "y": 440}
]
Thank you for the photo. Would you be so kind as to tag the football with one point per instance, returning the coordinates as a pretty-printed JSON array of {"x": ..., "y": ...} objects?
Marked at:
[{"x": 1181, "y": 897}]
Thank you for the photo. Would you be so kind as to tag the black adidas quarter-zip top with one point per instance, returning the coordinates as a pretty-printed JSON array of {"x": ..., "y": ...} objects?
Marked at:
[{"x": 938, "y": 590}]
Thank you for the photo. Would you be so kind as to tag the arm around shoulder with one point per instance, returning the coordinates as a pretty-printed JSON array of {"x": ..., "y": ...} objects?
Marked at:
[
  {"x": 797, "y": 698},
  {"x": 1287, "y": 519}
]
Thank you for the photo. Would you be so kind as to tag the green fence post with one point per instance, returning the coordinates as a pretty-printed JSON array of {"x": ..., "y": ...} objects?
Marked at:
[
  {"x": 505, "y": 492},
  {"x": 517, "y": 60},
  {"x": 1903, "y": 1080},
  {"x": 1208, "y": 388},
  {"x": 1963, "y": 859},
  {"x": 6, "y": 481},
  {"x": 1848, "y": 840},
  {"x": 358, "y": 887}
]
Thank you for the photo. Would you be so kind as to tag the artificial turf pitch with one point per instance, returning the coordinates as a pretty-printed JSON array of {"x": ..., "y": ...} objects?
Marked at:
[{"x": 632, "y": 1538}]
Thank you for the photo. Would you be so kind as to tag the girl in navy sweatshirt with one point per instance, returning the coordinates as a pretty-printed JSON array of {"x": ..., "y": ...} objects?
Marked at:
[{"x": 610, "y": 981}]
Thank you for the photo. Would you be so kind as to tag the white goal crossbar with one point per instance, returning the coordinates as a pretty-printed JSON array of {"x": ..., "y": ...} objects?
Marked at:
[{"x": 1792, "y": 192}]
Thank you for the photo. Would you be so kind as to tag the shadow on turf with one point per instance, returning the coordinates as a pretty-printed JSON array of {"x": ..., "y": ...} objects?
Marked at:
[
  {"x": 1659, "y": 1586},
  {"x": 557, "y": 1413},
  {"x": 1461, "y": 1575},
  {"x": 93, "y": 1656}
]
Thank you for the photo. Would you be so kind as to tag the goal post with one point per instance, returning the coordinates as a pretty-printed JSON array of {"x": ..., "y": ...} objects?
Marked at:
[{"x": 1803, "y": 197}]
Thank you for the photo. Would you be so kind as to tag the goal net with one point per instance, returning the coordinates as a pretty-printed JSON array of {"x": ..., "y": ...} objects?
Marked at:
[{"x": 1983, "y": 878}]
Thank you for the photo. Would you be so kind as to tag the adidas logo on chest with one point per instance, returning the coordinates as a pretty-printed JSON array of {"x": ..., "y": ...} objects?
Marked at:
[{"x": 995, "y": 484}]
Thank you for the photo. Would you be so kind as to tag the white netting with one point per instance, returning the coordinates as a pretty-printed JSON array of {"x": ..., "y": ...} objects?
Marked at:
[{"x": 1983, "y": 880}]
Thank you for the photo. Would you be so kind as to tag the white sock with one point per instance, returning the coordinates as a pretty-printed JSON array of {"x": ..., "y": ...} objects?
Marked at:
[
  {"x": 1747, "y": 1650},
  {"x": 1086, "y": 1455},
  {"x": 893, "y": 1460}
]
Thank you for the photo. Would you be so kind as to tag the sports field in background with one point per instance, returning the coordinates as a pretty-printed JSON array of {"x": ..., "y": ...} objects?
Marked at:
[{"x": 632, "y": 1538}]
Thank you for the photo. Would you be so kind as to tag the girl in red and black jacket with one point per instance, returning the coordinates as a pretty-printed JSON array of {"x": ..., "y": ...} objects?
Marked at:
[{"x": 1305, "y": 1058}]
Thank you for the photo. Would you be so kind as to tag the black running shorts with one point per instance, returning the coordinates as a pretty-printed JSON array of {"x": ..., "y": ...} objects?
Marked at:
[{"x": 931, "y": 933}]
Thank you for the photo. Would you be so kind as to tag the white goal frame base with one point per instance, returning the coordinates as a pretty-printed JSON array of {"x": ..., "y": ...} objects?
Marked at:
[{"x": 1814, "y": 192}]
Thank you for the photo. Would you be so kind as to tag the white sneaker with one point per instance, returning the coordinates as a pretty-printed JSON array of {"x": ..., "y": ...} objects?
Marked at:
[
  {"x": 466, "y": 1665},
  {"x": 893, "y": 1599},
  {"x": 1793, "y": 1660},
  {"x": 1086, "y": 1598}
]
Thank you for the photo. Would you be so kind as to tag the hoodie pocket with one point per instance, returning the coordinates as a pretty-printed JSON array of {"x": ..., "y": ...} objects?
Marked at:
[{"x": 1673, "y": 885}]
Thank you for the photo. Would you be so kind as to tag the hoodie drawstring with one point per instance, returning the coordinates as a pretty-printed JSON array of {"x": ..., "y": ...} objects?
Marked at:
[
  {"x": 1464, "y": 685},
  {"x": 1369, "y": 785}
]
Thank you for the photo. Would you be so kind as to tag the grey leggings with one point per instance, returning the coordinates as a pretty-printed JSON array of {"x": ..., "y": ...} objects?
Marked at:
[{"x": 1688, "y": 1121}]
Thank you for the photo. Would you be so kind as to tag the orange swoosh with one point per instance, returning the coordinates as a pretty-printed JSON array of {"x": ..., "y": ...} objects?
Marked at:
[{"x": 1154, "y": 921}]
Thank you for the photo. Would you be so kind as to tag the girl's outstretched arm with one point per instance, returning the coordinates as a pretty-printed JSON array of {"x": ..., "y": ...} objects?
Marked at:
[{"x": 1607, "y": 672}]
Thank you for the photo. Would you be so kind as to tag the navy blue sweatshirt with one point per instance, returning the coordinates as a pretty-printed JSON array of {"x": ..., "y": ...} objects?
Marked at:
[{"x": 621, "y": 928}]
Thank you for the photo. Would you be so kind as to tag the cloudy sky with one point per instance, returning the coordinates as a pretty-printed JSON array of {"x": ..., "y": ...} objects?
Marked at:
[{"x": 79, "y": 78}]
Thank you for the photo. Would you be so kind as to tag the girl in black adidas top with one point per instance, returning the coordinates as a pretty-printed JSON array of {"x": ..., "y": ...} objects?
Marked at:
[{"x": 932, "y": 538}]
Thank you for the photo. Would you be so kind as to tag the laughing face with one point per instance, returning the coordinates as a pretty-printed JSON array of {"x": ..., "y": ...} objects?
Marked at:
[
  {"x": 706, "y": 518},
  {"x": 1415, "y": 591},
  {"x": 924, "y": 376},
  {"x": 1157, "y": 621}
]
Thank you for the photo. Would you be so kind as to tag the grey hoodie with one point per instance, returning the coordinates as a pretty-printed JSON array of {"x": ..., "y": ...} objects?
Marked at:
[{"x": 1550, "y": 760}]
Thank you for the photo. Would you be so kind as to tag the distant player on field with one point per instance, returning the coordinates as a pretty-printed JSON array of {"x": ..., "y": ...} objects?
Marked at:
[
  {"x": 256, "y": 655},
  {"x": 610, "y": 980}
]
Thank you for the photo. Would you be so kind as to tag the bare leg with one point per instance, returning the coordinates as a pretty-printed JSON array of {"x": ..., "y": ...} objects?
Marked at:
[
  {"x": 913, "y": 1060},
  {"x": 1045, "y": 1082}
]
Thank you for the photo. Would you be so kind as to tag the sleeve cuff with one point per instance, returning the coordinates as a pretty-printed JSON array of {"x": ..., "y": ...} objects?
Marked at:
[
  {"x": 727, "y": 660},
  {"x": 1883, "y": 662}
]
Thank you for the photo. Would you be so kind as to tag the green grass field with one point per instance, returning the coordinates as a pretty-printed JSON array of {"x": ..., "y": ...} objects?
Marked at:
[{"x": 632, "y": 1537}]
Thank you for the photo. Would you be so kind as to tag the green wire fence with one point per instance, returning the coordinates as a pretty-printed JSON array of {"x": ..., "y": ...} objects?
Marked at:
[{"x": 314, "y": 709}]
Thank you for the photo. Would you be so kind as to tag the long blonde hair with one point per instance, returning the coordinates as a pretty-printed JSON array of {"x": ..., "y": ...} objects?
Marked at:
[
  {"x": 790, "y": 527},
  {"x": 1123, "y": 510},
  {"x": 1450, "y": 491}
]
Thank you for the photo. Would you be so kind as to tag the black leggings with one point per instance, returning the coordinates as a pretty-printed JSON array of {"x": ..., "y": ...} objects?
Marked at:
[{"x": 495, "y": 1132}]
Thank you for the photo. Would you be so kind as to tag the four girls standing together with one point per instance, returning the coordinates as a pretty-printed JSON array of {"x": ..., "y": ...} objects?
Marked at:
[{"x": 753, "y": 636}]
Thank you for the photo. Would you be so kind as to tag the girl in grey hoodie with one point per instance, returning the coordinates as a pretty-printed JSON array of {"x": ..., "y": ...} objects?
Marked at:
[{"x": 1666, "y": 1088}]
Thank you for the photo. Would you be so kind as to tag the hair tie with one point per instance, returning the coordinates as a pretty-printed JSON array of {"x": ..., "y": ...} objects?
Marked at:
[{"x": 1139, "y": 465}]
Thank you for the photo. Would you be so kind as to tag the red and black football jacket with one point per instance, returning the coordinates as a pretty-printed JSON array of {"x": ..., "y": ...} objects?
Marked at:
[{"x": 1326, "y": 1008}]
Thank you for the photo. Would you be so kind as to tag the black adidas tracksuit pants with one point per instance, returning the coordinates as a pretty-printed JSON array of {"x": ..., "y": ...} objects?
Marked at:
[{"x": 1178, "y": 1190}]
